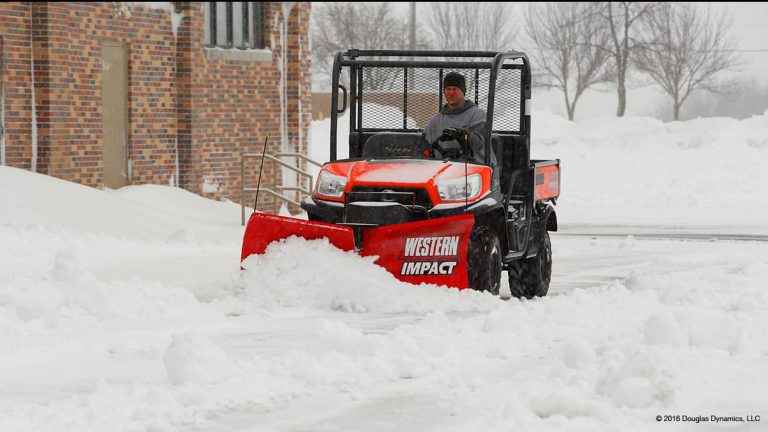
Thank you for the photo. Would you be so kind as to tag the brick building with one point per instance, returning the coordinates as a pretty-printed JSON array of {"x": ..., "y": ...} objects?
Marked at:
[{"x": 109, "y": 94}]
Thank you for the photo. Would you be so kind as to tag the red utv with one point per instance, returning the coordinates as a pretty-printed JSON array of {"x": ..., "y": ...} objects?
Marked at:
[{"x": 431, "y": 217}]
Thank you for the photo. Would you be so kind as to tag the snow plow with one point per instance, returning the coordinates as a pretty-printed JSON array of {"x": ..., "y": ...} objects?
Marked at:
[{"x": 456, "y": 218}]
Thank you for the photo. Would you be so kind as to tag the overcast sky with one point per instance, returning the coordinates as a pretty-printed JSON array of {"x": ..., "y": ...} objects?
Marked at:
[{"x": 750, "y": 28}]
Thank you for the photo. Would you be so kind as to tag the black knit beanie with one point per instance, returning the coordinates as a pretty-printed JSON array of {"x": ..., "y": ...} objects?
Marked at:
[{"x": 455, "y": 79}]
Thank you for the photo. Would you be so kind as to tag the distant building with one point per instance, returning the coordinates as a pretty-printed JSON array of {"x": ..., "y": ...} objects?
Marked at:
[{"x": 109, "y": 94}]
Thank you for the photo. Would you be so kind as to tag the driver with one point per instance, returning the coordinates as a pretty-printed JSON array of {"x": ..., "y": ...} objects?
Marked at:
[{"x": 459, "y": 122}]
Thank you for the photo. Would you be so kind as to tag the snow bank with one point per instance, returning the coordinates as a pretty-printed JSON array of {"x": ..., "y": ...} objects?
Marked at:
[
  {"x": 191, "y": 358},
  {"x": 645, "y": 172},
  {"x": 138, "y": 212},
  {"x": 64, "y": 299},
  {"x": 315, "y": 275},
  {"x": 641, "y": 171}
]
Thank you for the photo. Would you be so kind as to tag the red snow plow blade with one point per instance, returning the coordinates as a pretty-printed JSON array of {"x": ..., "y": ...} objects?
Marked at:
[
  {"x": 264, "y": 229},
  {"x": 432, "y": 251}
]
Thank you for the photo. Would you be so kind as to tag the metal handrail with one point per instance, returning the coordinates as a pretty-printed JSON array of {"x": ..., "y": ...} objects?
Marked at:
[
  {"x": 302, "y": 157},
  {"x": 273, "y": 193},
  {"x": 278, "y": 195}
]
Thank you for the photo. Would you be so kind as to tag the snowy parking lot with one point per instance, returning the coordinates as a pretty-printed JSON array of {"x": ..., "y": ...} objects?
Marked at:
[{"x": 126, "y": 310}]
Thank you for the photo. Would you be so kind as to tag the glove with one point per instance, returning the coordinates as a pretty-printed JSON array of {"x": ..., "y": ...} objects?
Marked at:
[{"x": 455, "y": 133}]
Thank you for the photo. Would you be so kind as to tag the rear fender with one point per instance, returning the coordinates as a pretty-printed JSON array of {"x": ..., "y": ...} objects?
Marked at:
[
  {"x": 550, "y": 218},
  {"x": 545, "y": 221}
]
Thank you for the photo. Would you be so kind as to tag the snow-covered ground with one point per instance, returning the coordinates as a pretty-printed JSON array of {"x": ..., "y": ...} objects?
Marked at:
[{"x": 126, "y": 310}]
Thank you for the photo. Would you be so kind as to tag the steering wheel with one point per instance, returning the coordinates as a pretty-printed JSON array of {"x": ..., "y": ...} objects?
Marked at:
[{"x": 450, "y": 149}]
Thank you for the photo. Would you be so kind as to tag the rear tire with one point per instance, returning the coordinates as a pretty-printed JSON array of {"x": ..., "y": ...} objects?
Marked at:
[
  {"x": 484, "y": 261},
  {"x": 530, "y": 277}
]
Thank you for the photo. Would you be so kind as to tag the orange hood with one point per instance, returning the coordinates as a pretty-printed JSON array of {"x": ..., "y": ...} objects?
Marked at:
[{"x": 406, "y": 173}]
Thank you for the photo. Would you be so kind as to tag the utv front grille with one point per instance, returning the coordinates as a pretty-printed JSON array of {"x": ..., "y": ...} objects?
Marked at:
[{"x": 405, "y": 196}]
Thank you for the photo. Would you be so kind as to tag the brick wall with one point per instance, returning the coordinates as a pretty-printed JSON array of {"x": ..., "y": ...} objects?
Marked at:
[
  {"x": 236, "y": 103},
  {"x": 180, "y": 98},
  {"x": 15, "y": 21},
  {"x": 67, "y": 40}
]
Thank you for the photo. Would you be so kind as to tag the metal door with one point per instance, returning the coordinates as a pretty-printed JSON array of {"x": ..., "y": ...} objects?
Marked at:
[{"x": 114, "y": 98}]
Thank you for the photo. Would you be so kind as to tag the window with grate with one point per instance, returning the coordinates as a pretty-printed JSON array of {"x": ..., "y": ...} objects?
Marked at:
[
  {"x": 237, "y": 25},
  {"x": 393, "y": 99}
]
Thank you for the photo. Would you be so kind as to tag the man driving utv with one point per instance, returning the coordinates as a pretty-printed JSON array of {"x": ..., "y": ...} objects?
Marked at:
[{"x": 459, "y": 124}]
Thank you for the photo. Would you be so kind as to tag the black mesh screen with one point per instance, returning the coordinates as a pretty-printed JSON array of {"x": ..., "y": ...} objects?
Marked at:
[
  {"x": 507, "y": 109},
  {"x": 406, "y": 99}
]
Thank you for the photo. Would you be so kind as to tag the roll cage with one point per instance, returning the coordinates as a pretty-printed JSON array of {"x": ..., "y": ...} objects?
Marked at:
[{"x": 426, "y": 69}]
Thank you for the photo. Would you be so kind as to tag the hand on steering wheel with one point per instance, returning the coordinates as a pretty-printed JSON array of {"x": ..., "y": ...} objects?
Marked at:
[
  {"x": 449, "y": 148},
  {"x": 460, "y": 135}
]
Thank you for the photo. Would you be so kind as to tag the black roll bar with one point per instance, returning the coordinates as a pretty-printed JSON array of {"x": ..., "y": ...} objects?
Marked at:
[
  {"x": 351, "y": 59},
  {"x": 423, "y": 53},
  {"x": 335, "y": 102},
  {"x": 498, "y": 61}
]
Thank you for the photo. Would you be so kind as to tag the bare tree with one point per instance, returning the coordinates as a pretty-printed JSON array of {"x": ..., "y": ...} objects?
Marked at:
[
  {"x": 342, "y": 26},
  {"x": 621, "y": 22},
  {"x": 690, "y": 48},
  {"x": 569, "y": 40},
  {"x": 462, "y": 26}
]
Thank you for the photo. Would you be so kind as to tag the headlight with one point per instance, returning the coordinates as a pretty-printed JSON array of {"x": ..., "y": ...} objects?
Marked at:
[
  {"x": 460, "y": 189},
  {"x": 330, "y": 185}
]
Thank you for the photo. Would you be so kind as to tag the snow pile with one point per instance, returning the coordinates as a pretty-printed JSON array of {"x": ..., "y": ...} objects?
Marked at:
[
  {"x": 68, "y": 301},
  {"x": 638, "y": 170},
  {"x": 549, "y": 128},
  {"x": 139, "y": 212},
  {"x": 191, "y": 358},
  {"x": 637, "y": 383},
  {"x": 315, "y": 275},
  {"x": 664, "y": 329},
  {"x": 642, "y": 171}
]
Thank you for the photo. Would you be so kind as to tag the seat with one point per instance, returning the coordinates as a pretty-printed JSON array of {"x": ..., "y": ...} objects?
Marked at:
[{"x": 384, "y": 145}]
